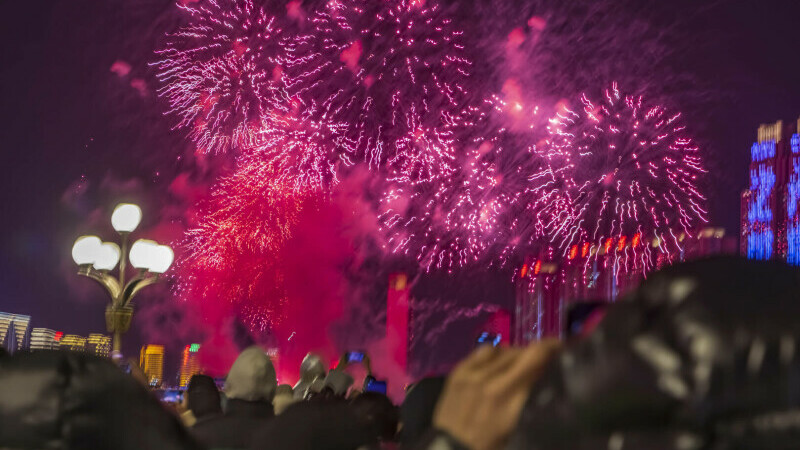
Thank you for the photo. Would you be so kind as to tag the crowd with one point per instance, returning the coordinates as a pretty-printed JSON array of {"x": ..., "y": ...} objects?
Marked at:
[{"x": 702, "y": 356}]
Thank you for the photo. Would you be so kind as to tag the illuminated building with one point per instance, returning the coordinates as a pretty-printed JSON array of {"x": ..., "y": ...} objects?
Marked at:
[
  {"x": 43, "y": 339},
  {"x": 98, "y": 344},
  {"x": 397, "y": 318},
  {"x": 770, "y": 219},
  {"x": 539, "y": 301},
  {"x": 72, "y": 342},
  {"x": 151, "y": 360},
  {"x": 190, "y": 364},
  {"x": 792, "y": 197},
  {"x": 548, "y": 285},
  {"x": 14, "y": 331}
]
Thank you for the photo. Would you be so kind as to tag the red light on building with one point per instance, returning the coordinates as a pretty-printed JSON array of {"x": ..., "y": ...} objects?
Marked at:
[
  {"x": 58, "y": 336},
  {"x": 585, "y": 250},
  {"x": 537, "y": 267},
  {"x": 523, "y": 271},
  {"x": 573, "y": 252},
  {"x": 608, "y": 244},
  {"x": 621, "y": 243},
  {"x": 636, "y": 239}
]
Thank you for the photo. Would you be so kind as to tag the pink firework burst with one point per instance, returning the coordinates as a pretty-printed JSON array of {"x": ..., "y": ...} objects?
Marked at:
[
  {"x": 297, "y": 150},
  {"x": 388, "y": 69},
  {"x": 627, "y": 168},
  {"x": 222, "y": 72},
  {"x": 475, "y": 208}
]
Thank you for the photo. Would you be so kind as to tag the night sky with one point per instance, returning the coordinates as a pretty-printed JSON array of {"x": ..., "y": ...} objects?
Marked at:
[{"x": 69, "y": 126}]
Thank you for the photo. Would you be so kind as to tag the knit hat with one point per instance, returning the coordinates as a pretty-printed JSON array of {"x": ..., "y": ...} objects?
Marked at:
[{"x": 252, "y": 377}]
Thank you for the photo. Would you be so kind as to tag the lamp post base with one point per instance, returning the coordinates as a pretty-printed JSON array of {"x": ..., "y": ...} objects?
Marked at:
[{"x": 118, "y": 321}]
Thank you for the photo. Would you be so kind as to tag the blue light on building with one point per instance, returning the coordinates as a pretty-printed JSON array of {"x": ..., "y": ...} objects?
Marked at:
[
  {"x": 762, "y": 235},
  {"x": 792, "y": 197},
  {"x": 762, "y": 150}
]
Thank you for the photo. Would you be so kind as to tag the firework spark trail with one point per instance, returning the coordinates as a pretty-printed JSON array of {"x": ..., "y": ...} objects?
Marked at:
[
  {"x": 425, "y": 333},
  {"x": 250, "y": 218},
  {"x": 389, "y": 70},
  {"x": 630, "y": 169},
  {"x": 222, "y": 72},
  {"x": 490, "y": 200}
]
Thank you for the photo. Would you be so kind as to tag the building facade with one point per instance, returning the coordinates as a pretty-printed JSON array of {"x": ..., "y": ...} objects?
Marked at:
[
  {"x": 98, "y": 344},
  {"x": 73, "y": 343},
  {"x": 43, "y": 339},
  {"x": 151, "y": 361},
  {"x": 190, "y": 364},
  {"x": 770, "y": 219},
  {"x": 549, "y": 285},
  {"x": 14, "y": 331}
]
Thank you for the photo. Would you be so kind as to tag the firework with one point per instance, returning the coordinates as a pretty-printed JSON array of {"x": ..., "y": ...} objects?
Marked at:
[
  {"x": 474, "y": 206},
  {"x": 389, "y": 70},
  {"x": 628, "y": 175},
  {"x": 222, "y": 72},
  {"x": 233, "y": 257}
]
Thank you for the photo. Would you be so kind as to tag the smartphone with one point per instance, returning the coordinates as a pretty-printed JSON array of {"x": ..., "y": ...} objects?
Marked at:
[
  {"x": 489, "y": 338},
  {"x": 355, "y": 357},
  {"x": 172, "y": 396},
  {"x": 583, "y": 317},
  {"x": 376, "y": 386}
]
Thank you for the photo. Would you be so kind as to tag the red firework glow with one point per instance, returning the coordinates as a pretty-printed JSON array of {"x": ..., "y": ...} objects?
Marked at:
[{"x": 270, "y": 257}]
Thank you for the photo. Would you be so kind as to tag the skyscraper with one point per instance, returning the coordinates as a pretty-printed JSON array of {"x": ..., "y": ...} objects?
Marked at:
[
  {"x": 43, "y": 339},
  {"x": 98, "y": 344},
  {"x": 770, "y": 217},
  {"x": 151, "y": 360},
  {"x": 190, "y": 364},
  {"x": 14, "y": 333}
]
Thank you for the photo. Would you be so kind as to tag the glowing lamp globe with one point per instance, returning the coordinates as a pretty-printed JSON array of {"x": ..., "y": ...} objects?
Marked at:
[
  {"x": 162, "y": 259},
  {"x": 142, "y": 253},
  {"x": 86, "y": 249},
  {"x": 107, "y": 256},
  {"x": 126, "y": 217}
]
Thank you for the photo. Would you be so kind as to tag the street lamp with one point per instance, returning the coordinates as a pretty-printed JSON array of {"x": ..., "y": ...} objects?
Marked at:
[{"x": 95, "y": 259}]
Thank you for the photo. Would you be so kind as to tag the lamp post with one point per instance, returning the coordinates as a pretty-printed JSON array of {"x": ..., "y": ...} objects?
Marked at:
[{"x": 96, "y": 259}]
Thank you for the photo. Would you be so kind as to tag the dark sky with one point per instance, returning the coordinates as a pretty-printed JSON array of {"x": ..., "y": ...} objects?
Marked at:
[{"x": 64, "y": 115}]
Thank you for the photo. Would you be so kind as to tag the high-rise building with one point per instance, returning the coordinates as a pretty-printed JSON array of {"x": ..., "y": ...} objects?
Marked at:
[
  {"x": 548, "y": 286},
  {"x": 397, "y": 318},
  {"x": 770, "y": 217},
  {"x": 14, "y": 333},
  {"x": 43, "y": 339},
  {"x": 98, "y": 344},
  {"x": 72, "y": 342},
  {"x": 151, "y": 360},
  {"x": 190, "y": 364}
]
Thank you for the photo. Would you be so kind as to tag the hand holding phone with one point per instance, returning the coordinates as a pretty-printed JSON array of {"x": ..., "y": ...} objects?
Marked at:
[{"x": 354, "y": 357}]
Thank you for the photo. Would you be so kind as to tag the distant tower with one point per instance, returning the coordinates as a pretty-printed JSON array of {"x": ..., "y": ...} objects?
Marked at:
[
  {"x": 770, "y": 215},
  {"x": 538, "y": 303},
  {"x": 151, "y": 360},
  {"x": 190, "y": 364},
  {"x": 397, "y": 312}
]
